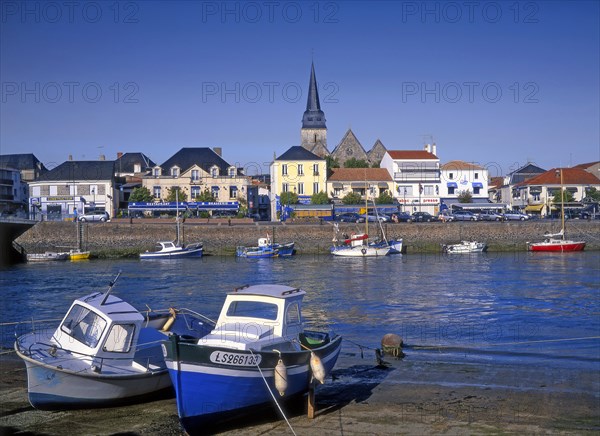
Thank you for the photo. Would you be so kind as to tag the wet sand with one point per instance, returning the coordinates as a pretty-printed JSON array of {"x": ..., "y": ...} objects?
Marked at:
[{"x": 408, "y": 397}]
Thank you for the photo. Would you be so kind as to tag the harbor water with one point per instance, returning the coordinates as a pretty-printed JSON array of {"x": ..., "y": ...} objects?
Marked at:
[{"x": 512, "y": 308}]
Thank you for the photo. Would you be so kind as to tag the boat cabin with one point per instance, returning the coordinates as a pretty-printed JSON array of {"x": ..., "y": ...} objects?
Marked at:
[
  {"x": 94, "y": 329},
  {"x": 259, "y": 317}
]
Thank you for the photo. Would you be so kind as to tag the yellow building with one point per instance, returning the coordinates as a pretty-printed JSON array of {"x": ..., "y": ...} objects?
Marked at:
[{"x": 298, "y": 171}]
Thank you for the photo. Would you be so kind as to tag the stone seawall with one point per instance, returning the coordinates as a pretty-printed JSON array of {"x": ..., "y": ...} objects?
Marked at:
[{"x": 122, "y": 238}]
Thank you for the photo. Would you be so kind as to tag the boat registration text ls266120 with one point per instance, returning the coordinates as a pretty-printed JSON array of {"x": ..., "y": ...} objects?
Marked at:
[{"x": 236, "y": 359}]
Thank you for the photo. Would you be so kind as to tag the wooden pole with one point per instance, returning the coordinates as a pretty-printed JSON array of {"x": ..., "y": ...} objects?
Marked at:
[{"x": 311, "y": 399}]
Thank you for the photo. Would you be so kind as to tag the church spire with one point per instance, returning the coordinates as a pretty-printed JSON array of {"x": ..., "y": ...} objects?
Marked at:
[{"x": 314, "y": 117}]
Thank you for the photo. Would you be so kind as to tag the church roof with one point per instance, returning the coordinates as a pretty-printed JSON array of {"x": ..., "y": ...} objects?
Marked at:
[
  {"x": 314, "y": 117},
  {"x": 298, "y": 153}
]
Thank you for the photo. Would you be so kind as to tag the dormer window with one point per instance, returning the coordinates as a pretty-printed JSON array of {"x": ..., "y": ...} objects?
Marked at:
[
  {"x": 214, "y": 172},
  {"x": 195, "y": 175},
  {"x": 137, "y": 168},
  {"x": 232, "y": 172},
  {"x": 175, "y": 172},
  {"x": 156, "y": 172}
]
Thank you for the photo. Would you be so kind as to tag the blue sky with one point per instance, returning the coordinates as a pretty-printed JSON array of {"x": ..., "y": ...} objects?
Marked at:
[{"x": 496, "y": 83}]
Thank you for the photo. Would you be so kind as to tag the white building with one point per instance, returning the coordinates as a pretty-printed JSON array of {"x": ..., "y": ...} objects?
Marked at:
[{"x": 459, "y": 177}]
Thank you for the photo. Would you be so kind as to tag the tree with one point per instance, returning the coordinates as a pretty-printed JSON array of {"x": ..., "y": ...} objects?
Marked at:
[
  {"x": 567, "y": 196},
  {"x": 331, "y": 162},
  {"x": 592, "y": 194},
  {"x": 288, "y": 198},
  {"x": 356, "y": 163},
  {"x": 352, "y": 198},
  {"x": 385, "y": 198},
  {"x": 376, "y": 164},
  {"x": 464, "y": 196},
  {"x": 319, "y": 198},
  {"x": 141, "y": 194},
  {"x": 176, "y": 193},
  {"x": 205, "y": 195}
]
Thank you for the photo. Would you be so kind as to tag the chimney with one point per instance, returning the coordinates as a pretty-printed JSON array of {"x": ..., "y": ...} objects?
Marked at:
[
  {"x": 102, "y": 157},
  {"x": 434, "y": 149},
  {"x": 119, "y": 155},
  {"x": 218, "y": 150},
  {"x": 70, "y": 157},
  {"x": 428, "y": 148}
]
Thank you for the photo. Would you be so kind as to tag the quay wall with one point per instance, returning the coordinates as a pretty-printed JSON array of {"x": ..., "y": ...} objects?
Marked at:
[{"x": 128, "y": 238}]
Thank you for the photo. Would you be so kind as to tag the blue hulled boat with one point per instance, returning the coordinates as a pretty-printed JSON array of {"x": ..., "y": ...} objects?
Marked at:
[
  {"x": 266, "y": 248},
  {"x": 258, "y": 348}
]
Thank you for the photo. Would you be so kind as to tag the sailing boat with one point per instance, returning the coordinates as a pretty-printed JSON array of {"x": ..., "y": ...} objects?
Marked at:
[
  {"x": 394, "y": 244},
  {"x": 174, "y": 249},
  {"x": 357, "y": 245},
  {"x": 79, "y": 253},
  {"x": 557, "y": 241}
]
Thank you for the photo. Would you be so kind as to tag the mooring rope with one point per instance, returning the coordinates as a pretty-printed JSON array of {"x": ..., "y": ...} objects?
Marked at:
[{"x": 272, "y": 395}]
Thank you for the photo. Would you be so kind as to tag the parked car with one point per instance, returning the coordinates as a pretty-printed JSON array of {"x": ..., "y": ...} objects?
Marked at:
[
  {"x": 101, "y": 216},
  {"x": 401, "y": 217},
  {"x": 372, "y": 217},
  {"x": 421, "y": 217},
  {"x": 490, "y": 215},
  {"x": 464, "y": 215},
  {"x": 348, "y": 217},
  {"x": 515, "y": 215},
  {"x": 225, "y": 214},
  {"x": 445, "y": 217}
]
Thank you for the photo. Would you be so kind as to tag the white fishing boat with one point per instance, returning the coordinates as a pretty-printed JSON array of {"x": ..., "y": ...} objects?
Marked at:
[
  {"x": 465, "y": 247},
  {"x": 258, "y": 348},
  {"x": 48, "y": 256},
  {"x": 103, "y": 353}
]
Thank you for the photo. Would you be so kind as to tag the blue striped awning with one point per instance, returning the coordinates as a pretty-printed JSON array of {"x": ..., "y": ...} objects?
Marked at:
[
  {"x": 477, "y": 185},
  {"x": 452, "y": 185}
]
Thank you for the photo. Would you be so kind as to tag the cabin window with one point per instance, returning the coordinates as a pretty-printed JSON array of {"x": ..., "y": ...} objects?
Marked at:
[
  {"x": 253, "y": 309},
  {"x": 84, "y": 326},
  {"x": 292, "y": 314},
  {"x": 119, "y": 338}
]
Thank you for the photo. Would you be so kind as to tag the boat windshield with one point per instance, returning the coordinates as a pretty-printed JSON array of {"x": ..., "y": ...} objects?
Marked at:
[
  {"x": 84, "y": 325},
  {"x": 253, "y": 309}
]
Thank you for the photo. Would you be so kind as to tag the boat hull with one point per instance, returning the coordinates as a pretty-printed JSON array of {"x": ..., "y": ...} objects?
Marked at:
[
  {"x": 53, "y": 388},
  {"x": 208, "y": 391},
  {"x": 81, "y": 255},
  {"x": 560, "y": 246},
  {"x": 197, "y": 252},
  {"x": 48, "y": 256},
  {"x": 364, "y": 251}
]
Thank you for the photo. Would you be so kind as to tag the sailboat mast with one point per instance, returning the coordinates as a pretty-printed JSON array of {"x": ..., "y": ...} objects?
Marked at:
[
  {"x": 366, "y": 205},
  {"x": 177, "y": 215},
  {"x": 562, "y": 205}
]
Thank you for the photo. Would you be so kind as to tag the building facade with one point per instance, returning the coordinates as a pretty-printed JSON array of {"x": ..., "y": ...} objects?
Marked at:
[
  {"x": 371, "y": 181},
  {"x": 459, "y": 177}
]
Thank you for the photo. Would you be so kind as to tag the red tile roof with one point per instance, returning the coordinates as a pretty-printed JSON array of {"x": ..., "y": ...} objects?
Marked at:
[
  {"x": 411, "y": 154},
  {"x": 496, "y": 182},
  {"x": 360, "y": 174},
  {"x": 570, "y": 176}
]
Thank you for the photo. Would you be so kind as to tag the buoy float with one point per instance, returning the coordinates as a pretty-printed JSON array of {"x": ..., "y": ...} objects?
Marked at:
[
  {"x": 317, "y": 368},
  {"x": 281, "y": 377},
  {"x": 392, "y": 345},
  {"x": 171, "y": 320}
]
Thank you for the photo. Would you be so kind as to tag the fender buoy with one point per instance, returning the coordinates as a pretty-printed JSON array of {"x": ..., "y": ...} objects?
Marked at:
[
  {"x": 317, "y": 368},
  {"x": 363, "y": 251},
  {"x": 281, "y": 377}
]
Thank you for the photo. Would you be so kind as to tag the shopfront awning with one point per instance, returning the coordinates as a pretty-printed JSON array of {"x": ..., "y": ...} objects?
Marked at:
[
  {"x": 337, "y": 185},
  {"x": 357, "y": 184},
  {"x": 534, "y": 208},
  {"x": 452, "y": 185},
  {"x": 477, "y": 185},
  {"x": 383, "y": 185}
]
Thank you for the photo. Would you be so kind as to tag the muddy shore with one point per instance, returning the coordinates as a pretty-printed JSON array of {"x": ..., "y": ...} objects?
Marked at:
[{"x": 410, "y": 396}]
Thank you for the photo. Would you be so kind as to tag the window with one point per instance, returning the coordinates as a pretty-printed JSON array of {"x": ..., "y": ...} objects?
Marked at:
[
  {"x": 53, "y": 190},
  {"x": 195, "y": 191},
  {"x": 284, "y": 170},
  {"x": 119, "y": 338},
  {"x": 156, "y": 191},
  {"x": 405, "y": 191},
  {"x": 450, "y": 176},
  {"x": 215, "y": 192},
  {"x": 285, "y": 187},
  {"x": 84, "y": 325},
  {"x": 476, "y": 191},
  {"x": 292, "y": 314},
  {"x": 156, "y": 172},
  {"x": 233, "y": 191},
  {"x": 300, "y": 188},
  {"x": 195, "y": 175},
  {"x": 137, "y": 168},
  {"x": 174, "y": 172},
  {"x": 214, "y": 172},
  {"x": 428, "y": 190},
  {"x": 316, "y": 169},
  {"x": 35, "y": 191},
  {"x": 231, "y": 172},
  {"x": 72, "y": 190},
  {"x": 451, "y": 191},
  {"x": 300, "y": 169},
  {"x": 315, "y": 187},
  {"x": 337, "y": 191},
  {"x": 476, "y": 176},
  {"x": 254, "y": 309}
]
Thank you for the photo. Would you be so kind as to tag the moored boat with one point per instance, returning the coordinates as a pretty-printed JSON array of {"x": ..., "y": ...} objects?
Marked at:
[
  {"x": 48, "y": 256},
  {"x": 258, "y": 347},
  {"x": 266, "y": 248},
  {"x": 173, "y": 250},
  {"x": 76, "y": 255},
  {"x": 103, "y": 353},
  {"x": 465, "y": 247}
]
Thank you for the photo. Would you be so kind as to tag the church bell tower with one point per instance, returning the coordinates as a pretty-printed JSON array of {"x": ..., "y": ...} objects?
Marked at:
[{"x": 313, "y": 134}]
